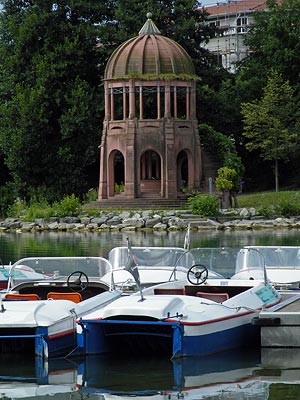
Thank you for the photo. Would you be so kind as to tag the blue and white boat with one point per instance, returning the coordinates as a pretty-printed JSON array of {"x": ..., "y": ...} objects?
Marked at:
[
  {"x": 199, "y": 315},
  {"x": 38, "y": 317}
]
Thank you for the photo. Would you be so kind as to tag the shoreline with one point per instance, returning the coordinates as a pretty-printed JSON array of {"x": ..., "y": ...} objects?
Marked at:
[{"x": 150, "y": 221}]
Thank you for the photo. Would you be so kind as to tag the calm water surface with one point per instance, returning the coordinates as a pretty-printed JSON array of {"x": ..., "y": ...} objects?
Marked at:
[
  {"x": 16, "y": 246},
  {"x": 229, "y": 376},
  {"x": 239, "y": 375}
]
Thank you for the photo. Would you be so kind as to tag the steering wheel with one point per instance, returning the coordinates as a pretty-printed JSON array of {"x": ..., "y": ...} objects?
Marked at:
[
  {"x": 197, "y": 274},
  {"x": 75, "y": 279}
]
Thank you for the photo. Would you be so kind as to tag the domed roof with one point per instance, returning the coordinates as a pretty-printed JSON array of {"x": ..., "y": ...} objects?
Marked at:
[{"x": 149, "y": 53}]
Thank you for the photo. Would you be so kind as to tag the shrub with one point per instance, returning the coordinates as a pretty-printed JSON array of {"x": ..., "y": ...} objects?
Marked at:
[
  {"x": 119, "y": 187},
  {"x": 38, "y": 210},
  {"x": 91, "y": 195},
  {"x": 17, "y": 209},
  {"x": 288, "y": 208},
  {"x": 266, "y": 211},
  {"x": 68, "y": 206},
  {"x": 204, "y": 205}
]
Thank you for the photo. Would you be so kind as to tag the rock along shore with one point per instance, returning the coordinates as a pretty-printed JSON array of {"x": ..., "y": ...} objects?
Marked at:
[{"x": 152, "y": 220}]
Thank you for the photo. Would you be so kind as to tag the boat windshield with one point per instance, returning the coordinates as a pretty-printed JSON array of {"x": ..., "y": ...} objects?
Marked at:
[
  {"x": 146, "y": 256},
  {"x": 256, "y": 257},
  {"x": 58, "y": 267},
  {"x": 218, "y": 260}
]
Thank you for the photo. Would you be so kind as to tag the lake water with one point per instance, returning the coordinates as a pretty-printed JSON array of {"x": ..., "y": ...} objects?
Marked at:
[
  {"x": 261, "y": 375},
  {"x": 14, "y": 246}
]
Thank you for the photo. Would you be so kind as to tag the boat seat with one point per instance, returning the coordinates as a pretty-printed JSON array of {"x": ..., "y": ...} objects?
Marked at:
[
  {"x": 21, "y": 296},
  {"x": 169, "y": 291},
  {"x": 72, "y": 296},
  {"x": 217, "y": 297}
]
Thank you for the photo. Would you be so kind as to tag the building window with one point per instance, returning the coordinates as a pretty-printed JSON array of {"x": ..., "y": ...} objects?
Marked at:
[{"x": 241, "y": 24}]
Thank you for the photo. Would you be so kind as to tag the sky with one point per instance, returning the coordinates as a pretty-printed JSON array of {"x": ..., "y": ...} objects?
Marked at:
[{"x": 211, "y": 2}]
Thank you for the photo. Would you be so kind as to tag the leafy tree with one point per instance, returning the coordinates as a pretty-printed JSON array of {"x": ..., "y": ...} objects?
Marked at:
[
  {"x": 272, "y": 124},
  {"x": 274, "y": 42},
  {"x": 51, "y": 102},
  {"x": 225, "y": 182},
  {"x": 223, "y": 148}
]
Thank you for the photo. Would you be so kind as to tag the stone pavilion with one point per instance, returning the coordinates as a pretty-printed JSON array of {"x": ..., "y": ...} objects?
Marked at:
[{"x": 150, "y": 145}]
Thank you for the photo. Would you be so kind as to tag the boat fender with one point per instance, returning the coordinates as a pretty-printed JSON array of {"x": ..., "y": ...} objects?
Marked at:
[{"x": 266, "y": 321}]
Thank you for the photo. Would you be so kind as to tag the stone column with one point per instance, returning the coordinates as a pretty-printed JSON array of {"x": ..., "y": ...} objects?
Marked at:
[
  {"x": 131, "y": 99},
  {"x": 107, "y": 103},
  {"x": 102, "y": 194},
  {"x": 167, "y": 101},
  {"x": 124, "y": 102},
  {"x": 141, "y": 102}
]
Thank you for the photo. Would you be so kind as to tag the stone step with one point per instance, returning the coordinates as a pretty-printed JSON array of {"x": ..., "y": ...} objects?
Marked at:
[{"x": 142, "y": 203}]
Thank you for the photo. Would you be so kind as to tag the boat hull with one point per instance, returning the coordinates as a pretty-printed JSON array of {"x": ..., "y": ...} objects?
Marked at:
[
  {"x": 52, "y": 341},
  {"x": 171, "y": 338}
]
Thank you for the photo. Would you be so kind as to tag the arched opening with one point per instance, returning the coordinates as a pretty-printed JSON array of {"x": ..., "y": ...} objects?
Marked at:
[
  {"x": 182, "y": 172},
  {"x": 119, "y": 174},
  {"x": 116, "y": 173},
  {"x": 150, "y": 173}
]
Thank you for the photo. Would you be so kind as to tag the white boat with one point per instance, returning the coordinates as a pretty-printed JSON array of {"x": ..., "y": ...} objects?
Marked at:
[
  {"x": 155, "y": 265},
  {"x": 22, "y": 273},
  {"x": 281, "y": 264},
  {"x": 195, "y": 316},
  {"x": 39, "y": 317}
]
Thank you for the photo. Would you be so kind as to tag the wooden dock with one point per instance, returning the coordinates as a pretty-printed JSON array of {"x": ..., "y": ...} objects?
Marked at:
[{"x": 280, "y": 325}]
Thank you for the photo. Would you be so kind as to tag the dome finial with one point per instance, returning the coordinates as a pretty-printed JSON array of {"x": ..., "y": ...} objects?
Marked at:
[{"x": 149, "y": 27}]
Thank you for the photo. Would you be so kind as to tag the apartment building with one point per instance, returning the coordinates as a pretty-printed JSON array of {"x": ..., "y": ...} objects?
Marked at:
[{"x": 232, "y": 20}]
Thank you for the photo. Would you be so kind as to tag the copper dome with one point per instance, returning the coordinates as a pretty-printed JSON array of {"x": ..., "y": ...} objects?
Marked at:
[{"x": 149, "y": 53}]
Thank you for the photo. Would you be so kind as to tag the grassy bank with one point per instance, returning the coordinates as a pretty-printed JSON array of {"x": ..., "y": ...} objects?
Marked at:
[
  {"x": 266, "y": 199},
  {"x": 285, "y": 203}
]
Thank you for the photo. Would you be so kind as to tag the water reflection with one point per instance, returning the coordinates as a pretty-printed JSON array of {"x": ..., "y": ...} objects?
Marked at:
[
  {"x": 140, "y": 376},
  {"x": 15, "y": 246},
  {"x": 256, "y": 375},
  {"x": 266, "y": 375}
]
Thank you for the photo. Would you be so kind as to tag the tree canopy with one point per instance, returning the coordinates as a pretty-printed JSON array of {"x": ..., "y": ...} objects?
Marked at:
[
  {"x": 271, "y": 124},
  {"x": 50, "y": 102}
]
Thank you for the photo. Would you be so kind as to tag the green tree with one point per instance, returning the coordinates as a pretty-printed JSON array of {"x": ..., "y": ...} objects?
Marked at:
[
  {"x": 225, "y": 182},
  {"x": 271, "y": 124},
  {"x": 51, "y": 101},
  {"x": 224, "y": 150},
  {"x": 274, "y": 42}
]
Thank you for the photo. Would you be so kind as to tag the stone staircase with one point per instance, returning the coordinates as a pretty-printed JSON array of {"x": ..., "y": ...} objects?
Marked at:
[{"x": 139, "y": 203}]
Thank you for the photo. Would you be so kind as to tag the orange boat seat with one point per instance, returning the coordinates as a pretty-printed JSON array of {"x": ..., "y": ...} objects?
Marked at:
[
  {"x": 73, "y": 296},
  {"x": 217, "y": 297},
  {"x": 21, "y": 296}
]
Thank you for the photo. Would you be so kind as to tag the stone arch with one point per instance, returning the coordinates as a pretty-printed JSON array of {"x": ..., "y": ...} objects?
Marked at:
[
  {"x": 150, "y": 173},
  {"x": 183, "y": 171},
  {"x": 116, "y": 172}
]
